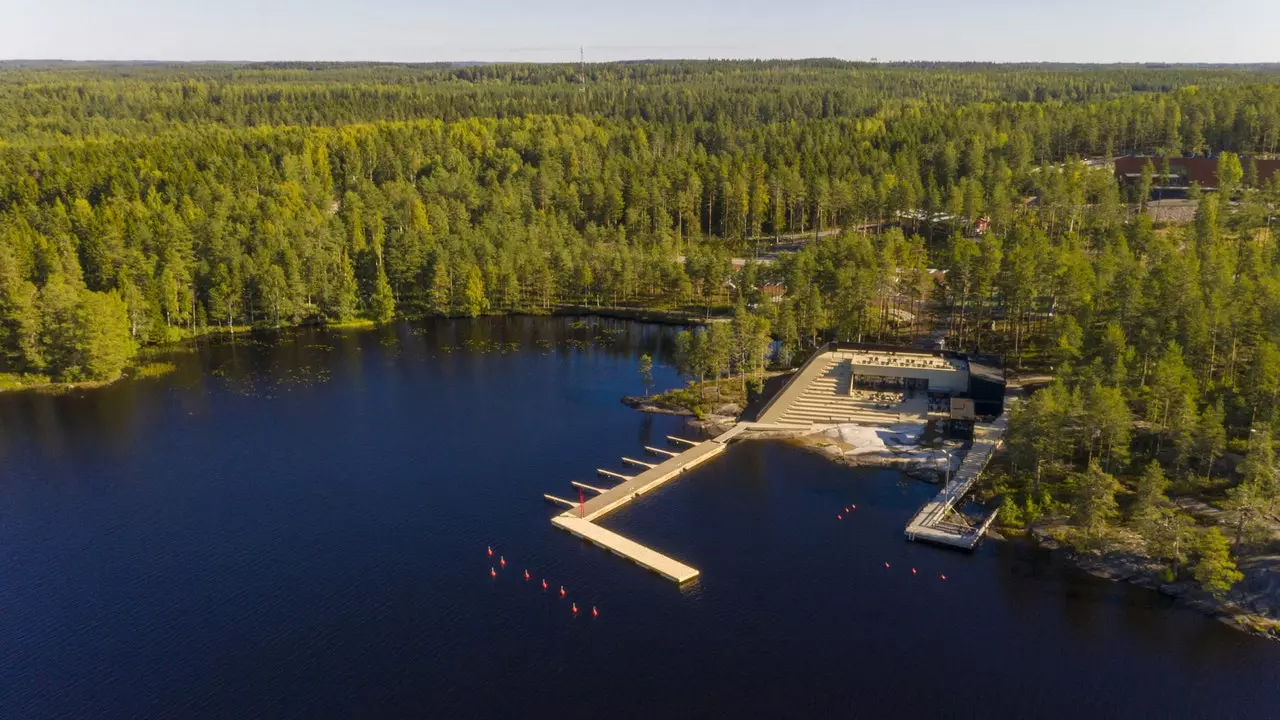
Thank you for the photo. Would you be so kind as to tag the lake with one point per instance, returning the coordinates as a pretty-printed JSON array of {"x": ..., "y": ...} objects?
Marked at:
[{"x": 295, "y": 526}]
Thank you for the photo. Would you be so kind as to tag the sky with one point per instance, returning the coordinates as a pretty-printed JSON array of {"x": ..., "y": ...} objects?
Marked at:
[{"x": 1228, "y": 31}]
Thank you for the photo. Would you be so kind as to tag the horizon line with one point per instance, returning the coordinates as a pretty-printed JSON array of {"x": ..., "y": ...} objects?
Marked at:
[{"x": 865, "y": 61}]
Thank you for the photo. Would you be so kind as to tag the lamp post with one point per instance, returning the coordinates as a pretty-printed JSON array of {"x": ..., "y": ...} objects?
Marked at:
[{"x": 939, "y": 511}]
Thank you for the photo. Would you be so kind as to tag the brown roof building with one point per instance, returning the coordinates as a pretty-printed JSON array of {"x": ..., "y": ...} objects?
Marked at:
[{"x": 1186, "y": 170}]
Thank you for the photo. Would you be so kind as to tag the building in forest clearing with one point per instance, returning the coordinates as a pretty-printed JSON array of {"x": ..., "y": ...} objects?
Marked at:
[{"x": 1183, "y": 171}]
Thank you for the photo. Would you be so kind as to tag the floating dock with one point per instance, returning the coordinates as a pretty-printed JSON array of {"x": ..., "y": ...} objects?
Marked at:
[
  {"x": 580, "y": 519},
  {"x": 629, "y": 549},
  {"x": 633, "y": 487}
]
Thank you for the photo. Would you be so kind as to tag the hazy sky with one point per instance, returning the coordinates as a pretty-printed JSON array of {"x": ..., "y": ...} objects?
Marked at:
[{"x": 552, "y": 30}]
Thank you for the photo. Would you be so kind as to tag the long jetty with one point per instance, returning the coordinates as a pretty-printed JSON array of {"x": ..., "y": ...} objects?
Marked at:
[{"x": 580, "y": 518}]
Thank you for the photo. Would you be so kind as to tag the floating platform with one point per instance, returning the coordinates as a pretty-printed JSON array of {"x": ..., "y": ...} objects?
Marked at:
[
  {"x": 579, "y": 519},
  {"x": 633, "y": 487},
  {"x": 618, "y": 545},
  {"x": 588, "y": 488},
  {"x": 637, "y": 463},
  {"x": 559, "y": 501}
]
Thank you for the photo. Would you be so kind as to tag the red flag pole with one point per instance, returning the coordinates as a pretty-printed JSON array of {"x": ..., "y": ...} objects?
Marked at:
[{"x": 582, "y": 504}]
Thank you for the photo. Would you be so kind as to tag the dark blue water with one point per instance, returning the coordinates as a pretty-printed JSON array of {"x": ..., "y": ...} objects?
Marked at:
[{"x": 296, "y": 528}]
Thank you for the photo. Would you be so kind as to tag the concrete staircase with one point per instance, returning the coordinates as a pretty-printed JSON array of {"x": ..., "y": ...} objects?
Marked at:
[{"x": 826, "y": 400}]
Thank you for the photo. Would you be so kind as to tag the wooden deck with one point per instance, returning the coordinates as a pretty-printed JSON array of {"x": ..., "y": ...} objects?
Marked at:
[
  {"x": 629, "y": 549},
  {"x": 930, "y": 523},
  {"x": 580, "y": 519},
  {"x": 632, "y": 488}
]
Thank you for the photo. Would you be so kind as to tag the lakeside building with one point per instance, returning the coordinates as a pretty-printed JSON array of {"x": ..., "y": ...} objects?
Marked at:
[
  {"x": 970, "y": 385},
  {"x": 884, "y": 385}
]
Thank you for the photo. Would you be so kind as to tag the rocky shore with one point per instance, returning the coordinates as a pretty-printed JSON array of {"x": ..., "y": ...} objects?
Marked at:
[
  {"x": 901, "y": 447},
  {"x": 1252, "y": 606},
  {"x": 653, "y": 405}
]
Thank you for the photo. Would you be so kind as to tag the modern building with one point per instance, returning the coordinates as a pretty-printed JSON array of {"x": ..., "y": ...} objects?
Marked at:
[
  {"x": 1183, "y": 171},
  {"x": 939, "y": 374}
]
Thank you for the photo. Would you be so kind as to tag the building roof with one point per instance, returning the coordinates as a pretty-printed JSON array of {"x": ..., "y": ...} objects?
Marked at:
[
  {"x": 908, "y": 360},
  {"x": 1201, "y": 170}
]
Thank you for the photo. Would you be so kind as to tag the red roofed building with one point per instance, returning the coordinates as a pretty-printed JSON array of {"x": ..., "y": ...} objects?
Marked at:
[{"x": 1186, "y": 170}]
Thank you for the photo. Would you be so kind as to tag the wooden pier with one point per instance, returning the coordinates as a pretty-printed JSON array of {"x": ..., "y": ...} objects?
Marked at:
[
  {"x": 559, "y": 501},
  {"x": 633, "y": 487},
  {"x": 638, "y": 463},
  {"x": 629, "y": 549},
  {"x": 580, "y": 519},
  {"x": 930, "y": 524}
]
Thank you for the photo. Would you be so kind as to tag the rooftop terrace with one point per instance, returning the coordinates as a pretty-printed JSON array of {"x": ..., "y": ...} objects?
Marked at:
[{"x": 917, "y": 361}]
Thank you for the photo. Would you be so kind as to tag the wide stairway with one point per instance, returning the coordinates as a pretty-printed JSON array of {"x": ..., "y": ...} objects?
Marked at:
[{"x": 826, "y": 400}]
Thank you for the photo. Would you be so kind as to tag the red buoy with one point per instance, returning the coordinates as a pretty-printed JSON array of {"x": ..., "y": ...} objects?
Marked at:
[
  {"x": 544, "y": 583},
  {"x": 839, "y": 517},
  {"x": 886, "y": 564},
  {"x": 575, "y": 608},
  {"x": 855, "y": 507},
  {"x": 913, "y": 571},
  {"x": 526, "y": 575},
  {"x": 492, "y": 573},
  {"x": 502, "y": 561},
  {"x": 490, "y": 551},
  {"x": 944, "y": 577},
  {"x": 561, "y": 591},
  {"x": 594, "y": 611}
]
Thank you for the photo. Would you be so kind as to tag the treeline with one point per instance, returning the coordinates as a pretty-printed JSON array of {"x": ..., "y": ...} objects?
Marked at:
[
  {"x": 89, "y": 99},
  {"x": 1164, "y": 347},
  {"x": 152, "y": 196}
]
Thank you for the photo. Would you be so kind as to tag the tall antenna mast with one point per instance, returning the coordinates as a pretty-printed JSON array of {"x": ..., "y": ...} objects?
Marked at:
[{"x": 582, "y": 70}]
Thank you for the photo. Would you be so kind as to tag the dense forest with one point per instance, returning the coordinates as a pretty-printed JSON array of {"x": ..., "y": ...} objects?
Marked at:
[{"x": 142, "y": 204}]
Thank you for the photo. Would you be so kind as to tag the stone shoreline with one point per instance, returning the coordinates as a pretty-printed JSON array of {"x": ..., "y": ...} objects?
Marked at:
[{"x": 1254, "y": 613}]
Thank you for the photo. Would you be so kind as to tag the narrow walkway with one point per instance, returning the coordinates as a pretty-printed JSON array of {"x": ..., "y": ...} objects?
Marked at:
[{"x": 930, "y": 523}]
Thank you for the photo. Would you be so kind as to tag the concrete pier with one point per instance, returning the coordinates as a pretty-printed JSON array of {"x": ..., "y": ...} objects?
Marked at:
[
  {"x": 588, "y": 488},
  {"x": 659, "y": 451},
  {"x": 681, "y": 441},
  {"x": 612, "y": 474}
]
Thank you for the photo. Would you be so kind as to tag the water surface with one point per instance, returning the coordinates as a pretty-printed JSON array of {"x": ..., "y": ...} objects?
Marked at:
[{"x": 296, "y": 526}]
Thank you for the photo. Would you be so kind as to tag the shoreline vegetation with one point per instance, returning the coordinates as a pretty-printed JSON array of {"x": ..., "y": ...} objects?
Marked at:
[
  {"x": 12, "y": 382},
  {"x": 794, "y": 201}
]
